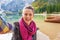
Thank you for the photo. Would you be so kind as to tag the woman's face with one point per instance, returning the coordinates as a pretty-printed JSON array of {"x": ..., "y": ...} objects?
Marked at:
[{"x": 27, "y": 15}]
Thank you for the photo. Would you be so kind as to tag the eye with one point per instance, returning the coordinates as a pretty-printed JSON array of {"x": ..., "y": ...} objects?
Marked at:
[{"x": 26, "y": 14}]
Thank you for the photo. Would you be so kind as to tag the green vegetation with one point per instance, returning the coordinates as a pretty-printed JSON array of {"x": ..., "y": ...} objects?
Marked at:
[
  {"x": 40, "y": 5},
  {"x": 46, "y": 5}
]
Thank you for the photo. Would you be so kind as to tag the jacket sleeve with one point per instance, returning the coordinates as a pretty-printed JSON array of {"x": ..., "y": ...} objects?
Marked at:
[{"x": 16, "y": 32}]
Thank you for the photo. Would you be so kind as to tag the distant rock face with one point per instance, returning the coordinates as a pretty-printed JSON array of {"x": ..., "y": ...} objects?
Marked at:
[{"x": 15, "y": 5}]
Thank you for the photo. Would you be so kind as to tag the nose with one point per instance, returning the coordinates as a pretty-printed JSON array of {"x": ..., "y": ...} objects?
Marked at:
[{"x": 28, "y": 16}]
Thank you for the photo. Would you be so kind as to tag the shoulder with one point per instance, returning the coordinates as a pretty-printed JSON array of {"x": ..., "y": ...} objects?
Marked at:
[
  {"x": 16, "y": 23},
  {"x": 16, "y": 26}
]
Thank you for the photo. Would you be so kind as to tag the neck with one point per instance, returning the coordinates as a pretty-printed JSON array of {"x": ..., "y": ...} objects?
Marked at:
[{"x": 27, "y": 22}]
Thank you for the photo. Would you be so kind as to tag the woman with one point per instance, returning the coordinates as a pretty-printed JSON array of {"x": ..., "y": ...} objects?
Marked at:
[{"x": 27, "y": 27}]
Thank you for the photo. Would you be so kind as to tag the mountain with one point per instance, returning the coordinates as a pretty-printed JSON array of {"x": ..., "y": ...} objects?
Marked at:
[{"x": 15, "y": 5}]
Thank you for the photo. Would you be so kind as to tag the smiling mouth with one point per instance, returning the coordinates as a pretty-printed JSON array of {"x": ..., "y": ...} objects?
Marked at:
[{"x": 27, "y": 19}]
